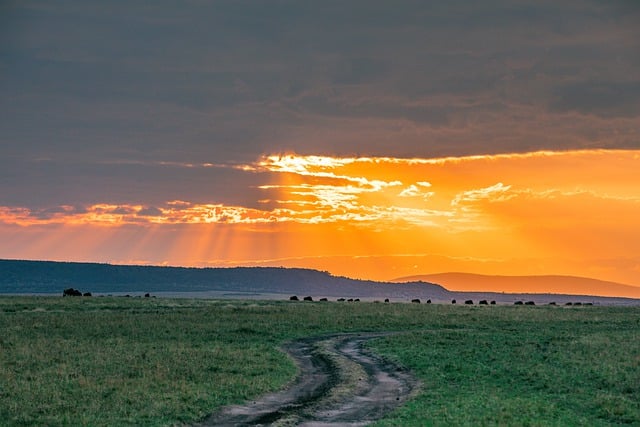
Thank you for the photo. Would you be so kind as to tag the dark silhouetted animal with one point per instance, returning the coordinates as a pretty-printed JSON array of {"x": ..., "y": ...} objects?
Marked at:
[
  {"x": 484, "y": 302},
  {"x": 308, "y": 299},
  {"x": 493, "y": 303},
  {"x": 350, "y": 300},
  {"x": 428, "y": 301},
  {"x": 469, "y": 302},
  {"x": 588, "y": 303},
  {"x": 356, "y": 300},
  {"x": 552, "y": 303},
  {"x": 569, "y": 303},
  {"x": 323, "y": 299},
  {"x": 386, "y": 300},
  {"x": 518, "y": 303},
  {"x": 529, "y": 303},
  {"x": 86, "y": 294},
  {"x": 70, "y": 292},
  {"x": 416, "y": 300},
  {"x": 577, "y": 303},
  {"x": 453, "y": 301},
  {"x": 340, "y": 299},
  {"x": 147, "y": 295},
  {"x": 294, "y": 298}
]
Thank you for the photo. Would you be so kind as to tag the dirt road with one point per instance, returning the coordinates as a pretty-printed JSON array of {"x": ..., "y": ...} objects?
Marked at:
[{"x": 340, "y": 384}]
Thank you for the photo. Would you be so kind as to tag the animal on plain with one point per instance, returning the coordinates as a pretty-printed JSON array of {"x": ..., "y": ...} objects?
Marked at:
[
  {"x": 469, "y": 302},
  {"x": 386, "y": 300},
  {"x": 71, "y": 292},
  {"x": 416, "y": 300},
  {"x": 294, "y": 298},
  {"x": 484, "y": 302},
  {"x": 308, "y": 299}
]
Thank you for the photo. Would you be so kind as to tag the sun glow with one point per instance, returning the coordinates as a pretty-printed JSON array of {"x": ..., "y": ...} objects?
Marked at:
[{"x": 572, "y": 212}]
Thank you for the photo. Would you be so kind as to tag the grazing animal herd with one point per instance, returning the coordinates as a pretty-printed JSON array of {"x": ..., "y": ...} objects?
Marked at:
[
  {"x": 71, "y": 292},
  {"x": 453, "y": 301},
  {"x": 74, "y": 292}
]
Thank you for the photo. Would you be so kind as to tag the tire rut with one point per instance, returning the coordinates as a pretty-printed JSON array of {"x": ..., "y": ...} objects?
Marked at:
[{"x": 340, "y": 383}]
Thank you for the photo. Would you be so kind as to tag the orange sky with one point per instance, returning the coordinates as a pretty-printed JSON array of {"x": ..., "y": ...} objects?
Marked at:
[{"x": 573, "y": 212}]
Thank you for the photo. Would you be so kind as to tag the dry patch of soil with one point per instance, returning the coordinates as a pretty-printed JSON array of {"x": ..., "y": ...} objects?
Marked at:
[{"x": 340, "y": 383}]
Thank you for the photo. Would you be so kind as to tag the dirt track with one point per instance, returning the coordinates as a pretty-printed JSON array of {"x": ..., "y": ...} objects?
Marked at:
[{"x": 340, "y": 383}]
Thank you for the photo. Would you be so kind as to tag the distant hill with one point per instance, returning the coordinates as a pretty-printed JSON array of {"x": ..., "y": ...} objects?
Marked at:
[
  {"x": 52, "y": 277},
  {"x": 48, "y": 277},
  {"x": 570, "y": 285}
]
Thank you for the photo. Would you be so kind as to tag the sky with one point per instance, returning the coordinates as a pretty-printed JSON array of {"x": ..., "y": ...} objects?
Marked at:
[{"x": 371, "y": 139}]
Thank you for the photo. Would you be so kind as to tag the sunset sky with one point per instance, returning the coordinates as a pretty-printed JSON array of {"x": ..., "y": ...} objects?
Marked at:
[{"x": 373, "y": 139}]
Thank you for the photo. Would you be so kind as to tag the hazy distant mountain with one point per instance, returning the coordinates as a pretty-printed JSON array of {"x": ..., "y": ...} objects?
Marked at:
[
  {"x": 570, "y": 285},
  {"x": 53, "y": 277},
  {"x": 36, "y": 277}
]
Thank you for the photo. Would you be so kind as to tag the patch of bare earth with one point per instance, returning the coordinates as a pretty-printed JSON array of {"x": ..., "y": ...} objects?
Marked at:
[{"x": 340, "y": 383}]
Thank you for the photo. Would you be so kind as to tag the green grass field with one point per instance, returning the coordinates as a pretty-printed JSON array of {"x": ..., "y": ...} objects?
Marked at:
[{"x": 131, "y": 361}]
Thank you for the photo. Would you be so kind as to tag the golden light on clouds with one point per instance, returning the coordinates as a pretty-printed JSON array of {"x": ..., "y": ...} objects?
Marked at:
[{"x": 574, "y": 212}]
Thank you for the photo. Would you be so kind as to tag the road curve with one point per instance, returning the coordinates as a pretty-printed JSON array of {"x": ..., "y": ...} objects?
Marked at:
[{"x": 340, "y": 384}]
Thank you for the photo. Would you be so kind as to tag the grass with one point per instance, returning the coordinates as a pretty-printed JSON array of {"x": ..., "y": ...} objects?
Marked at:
[
  {"x": 524, "y": 367},
  {"x": 132, "y": 361}
]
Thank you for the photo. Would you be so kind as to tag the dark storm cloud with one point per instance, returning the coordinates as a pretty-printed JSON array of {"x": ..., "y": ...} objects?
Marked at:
[
  {"x": 608, "y": 99},
  {"x": 87, "y": 85},
  {"x": 51, "y": 183},
  {"x": 149, "y": 211},
  {"x": 54, "y": 211},
  {"x": 121, "y": 210}
]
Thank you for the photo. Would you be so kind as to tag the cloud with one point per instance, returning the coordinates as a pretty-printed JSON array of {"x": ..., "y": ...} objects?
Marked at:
[
  {"x": 497, "y": 192},
  {"x": 410, "y": 191},
  {"x": 57, "y": 211},
  {"x": 417, "y": 190},
  {"x": 118, "y": 210},
  {"x": 323, "y": 167},
  {"x": 365, "y": 191},
  {"x": 149, "y": 211},
  {"x": 224, "y": 83},
  {"x": 605, "y": 99}
]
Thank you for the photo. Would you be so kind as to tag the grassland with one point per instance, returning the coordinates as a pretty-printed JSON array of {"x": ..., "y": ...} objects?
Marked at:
[{"x": 130, "y": 361}]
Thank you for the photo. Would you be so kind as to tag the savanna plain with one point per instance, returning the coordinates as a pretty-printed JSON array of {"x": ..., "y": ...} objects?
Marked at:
[{"x": 155, "y": 361}]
